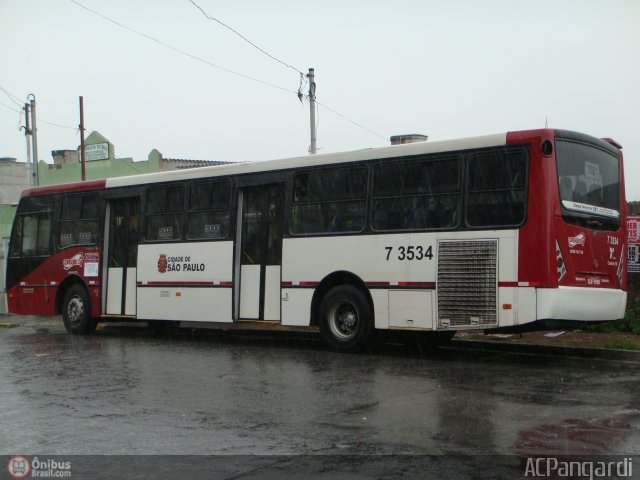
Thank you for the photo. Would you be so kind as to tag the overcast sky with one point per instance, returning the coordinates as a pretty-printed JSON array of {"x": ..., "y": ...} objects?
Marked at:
[{"x": 447, "y": 69}]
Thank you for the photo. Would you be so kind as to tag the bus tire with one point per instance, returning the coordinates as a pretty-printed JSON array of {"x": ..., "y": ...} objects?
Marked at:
[
  {"x": 345, "y": 318},
  {"x": 76, "y": 311}
]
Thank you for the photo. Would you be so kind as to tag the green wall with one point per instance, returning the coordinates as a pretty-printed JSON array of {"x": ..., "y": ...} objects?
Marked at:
[
  {"x": 97, "y": 170},
  {"x": 7, "y": 212}
]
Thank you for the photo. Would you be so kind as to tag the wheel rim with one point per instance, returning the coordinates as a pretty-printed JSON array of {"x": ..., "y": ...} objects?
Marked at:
[
  {"x": 344, "y": 321},
  {"x": 75, "y": 310}
]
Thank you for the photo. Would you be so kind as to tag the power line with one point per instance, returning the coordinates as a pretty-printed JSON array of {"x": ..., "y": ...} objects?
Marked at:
[
  {"x": 182, "y": 52},
  {"x": 12, "y": 97},
  {"x": 218, "y": 67},
  {"x": 56, "y": 124},
  {"x": 16, "y": 100},
  {"x": 351, "y": 121},
  {"x": 209, "y": 17},
  {"x": 10, "y": 108}
]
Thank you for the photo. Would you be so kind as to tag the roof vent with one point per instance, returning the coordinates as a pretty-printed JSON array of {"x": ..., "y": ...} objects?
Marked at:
[{"x": 409, "y": 138}]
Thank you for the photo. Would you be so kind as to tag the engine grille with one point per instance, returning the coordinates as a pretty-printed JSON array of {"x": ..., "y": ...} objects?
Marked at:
[{"x": 467, "y": 283}]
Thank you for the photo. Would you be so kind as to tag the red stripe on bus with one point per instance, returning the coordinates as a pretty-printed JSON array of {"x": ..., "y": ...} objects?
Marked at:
[
  {"x": 180, "y": 284},
  {"x": 416, "y": 284},
  {"x": 65, "y": 187},
  {"x": 309, "y": 284},
  {"x": 507, "y": 284},
  {"x": 226, "y": 284},
  {"x": 287, "y": 284}
]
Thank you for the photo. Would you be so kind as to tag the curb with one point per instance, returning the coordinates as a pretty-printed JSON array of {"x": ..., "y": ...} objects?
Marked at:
[{"x": 556, "y": 350}]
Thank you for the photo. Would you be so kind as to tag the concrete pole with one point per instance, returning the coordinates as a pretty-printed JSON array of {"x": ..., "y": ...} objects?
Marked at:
[
  {"x": 82, "y": 159},
  {"x": 34, "y": 139},
  {"x": 312, "y": 110},
  {"x": 27, "y": 135}
]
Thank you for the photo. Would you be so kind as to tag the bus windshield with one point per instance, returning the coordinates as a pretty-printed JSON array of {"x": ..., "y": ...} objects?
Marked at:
[{"x": 589, "y": 183}]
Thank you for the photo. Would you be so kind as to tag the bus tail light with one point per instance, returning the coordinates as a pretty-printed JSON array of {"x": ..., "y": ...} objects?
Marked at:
[
  {"x": 561, "y": 268},
  {"x": 620, "y": 266}
]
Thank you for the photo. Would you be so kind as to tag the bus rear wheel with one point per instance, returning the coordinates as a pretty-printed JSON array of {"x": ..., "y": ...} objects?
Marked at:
[
  {"x": 345, "y": 318},
  {"x": 76, "y": 311}
]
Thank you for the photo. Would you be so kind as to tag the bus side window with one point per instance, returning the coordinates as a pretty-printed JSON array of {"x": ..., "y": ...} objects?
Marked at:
[
  {"x": 164, "y": 213},
  {"x": 331, "y": 200},
  {"x": 417, "y": 194},
  {"x": 78, "y": 221},
  {"x": 496, "y": 188},
  {"x": 208, "y": 210},
  {"x": 32, "y": 237}
]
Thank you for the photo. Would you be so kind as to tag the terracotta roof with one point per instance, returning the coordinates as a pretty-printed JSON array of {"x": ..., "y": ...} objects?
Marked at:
[{"x": 189, "y": 163}]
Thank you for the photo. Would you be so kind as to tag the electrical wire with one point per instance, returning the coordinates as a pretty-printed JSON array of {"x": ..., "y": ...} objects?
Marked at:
[
  {"x": 39, "y": 120},
  {"x": 12, "y": 97},
  {"x": 182, "y": 52},
  {"x": 10, "y": 108},
  {"x": 209, "y": 17},
  {"x": 218, "y": 67},
  {"x": 351, "y": 121}
]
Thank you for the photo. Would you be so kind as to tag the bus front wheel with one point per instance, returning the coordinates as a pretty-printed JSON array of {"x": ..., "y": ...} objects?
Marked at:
[
  {"x": 345, "y": 318},
  {"x": 76, "y": 311}
]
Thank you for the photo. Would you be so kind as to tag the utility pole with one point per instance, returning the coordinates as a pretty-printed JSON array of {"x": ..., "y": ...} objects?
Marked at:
[
  {"x": 84, "y": 176},
  {"x": 27, "y": 134},
  {"x": 312, "y": 110},
  {"x": 34, "y": 139}
]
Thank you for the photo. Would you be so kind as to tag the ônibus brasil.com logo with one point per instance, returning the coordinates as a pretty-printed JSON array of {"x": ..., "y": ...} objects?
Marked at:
[{"x": 19, "y": 466}]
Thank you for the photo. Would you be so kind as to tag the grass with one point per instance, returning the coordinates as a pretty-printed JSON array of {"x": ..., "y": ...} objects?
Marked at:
[
  {"x": 631, "y": 321},
  {"x": 621, "y": 345}
]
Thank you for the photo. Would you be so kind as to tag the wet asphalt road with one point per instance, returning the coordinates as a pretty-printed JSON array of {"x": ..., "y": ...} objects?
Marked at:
[{"x": 127, "y": 391}]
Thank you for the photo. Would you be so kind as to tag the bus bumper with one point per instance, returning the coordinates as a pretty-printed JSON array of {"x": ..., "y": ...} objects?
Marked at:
[{"x": 580, "y": 303}]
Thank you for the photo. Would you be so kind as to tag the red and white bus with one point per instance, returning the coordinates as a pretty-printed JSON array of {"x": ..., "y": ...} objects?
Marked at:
[{"x": 496, "y": 231}]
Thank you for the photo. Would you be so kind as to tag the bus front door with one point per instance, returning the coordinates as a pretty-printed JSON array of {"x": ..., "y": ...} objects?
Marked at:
[
  {"x": 259, "y": 256},
  {"x": 122, "y": 224}
]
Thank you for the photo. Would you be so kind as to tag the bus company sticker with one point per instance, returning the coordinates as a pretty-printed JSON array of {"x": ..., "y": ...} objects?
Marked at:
[
  {"x": 76, "y": 261},
  {"x": 577, "y": 240}
]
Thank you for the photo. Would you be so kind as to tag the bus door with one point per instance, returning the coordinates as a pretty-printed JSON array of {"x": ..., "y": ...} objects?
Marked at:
[
  {"x": 259, "y": 252},
  {"x": 122, "y": 224}
]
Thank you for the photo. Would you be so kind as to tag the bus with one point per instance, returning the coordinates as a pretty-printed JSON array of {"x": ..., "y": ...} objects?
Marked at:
[{"x": 501, "y": 231}]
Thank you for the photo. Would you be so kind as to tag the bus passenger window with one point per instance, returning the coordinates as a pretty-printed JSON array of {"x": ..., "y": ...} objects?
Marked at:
[
  {"x": 329, "y": 201},
  {"x": 78, "y": 221},
  {"x": 417, "y": 194},
  {"x": 164, "y": 213},
  {"x": 496, "y": 188}
]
